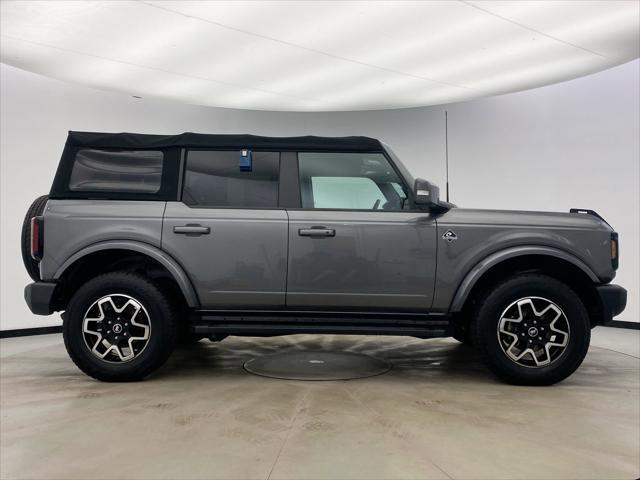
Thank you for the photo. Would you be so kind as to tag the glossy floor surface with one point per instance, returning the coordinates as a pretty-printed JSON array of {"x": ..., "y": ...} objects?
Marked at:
[{"x": 437, "y": 413}]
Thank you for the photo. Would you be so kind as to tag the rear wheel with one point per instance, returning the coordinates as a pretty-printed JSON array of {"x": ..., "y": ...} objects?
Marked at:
[
  {"x": 532, "y": 330},
  {"x": 36, "y": 209},
  {"x": 119, "y": 327}
]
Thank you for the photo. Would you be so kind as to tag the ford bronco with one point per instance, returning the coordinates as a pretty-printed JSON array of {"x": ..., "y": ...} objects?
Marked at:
[{"x": 146, "y": 240}]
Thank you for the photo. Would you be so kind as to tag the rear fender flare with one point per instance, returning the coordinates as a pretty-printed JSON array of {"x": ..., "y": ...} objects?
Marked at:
[{"x": 176, "y": 271}]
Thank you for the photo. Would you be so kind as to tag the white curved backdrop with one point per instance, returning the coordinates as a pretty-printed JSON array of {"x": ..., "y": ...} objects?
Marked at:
[{"x": 573, "y": 144}]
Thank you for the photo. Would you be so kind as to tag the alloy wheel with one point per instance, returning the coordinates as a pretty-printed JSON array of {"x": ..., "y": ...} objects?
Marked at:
[
  {"x": 533, "y": 332},
  {"x": 116, "y": 328}
]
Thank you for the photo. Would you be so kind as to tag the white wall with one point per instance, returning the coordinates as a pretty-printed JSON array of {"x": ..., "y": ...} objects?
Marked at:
[{"x": 573, "y": 144}]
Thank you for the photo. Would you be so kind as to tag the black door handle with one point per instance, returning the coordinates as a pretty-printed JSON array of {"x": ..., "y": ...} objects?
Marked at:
[
  {"x": 191, "y": 230},
  {"x": 317, "y": 232}
]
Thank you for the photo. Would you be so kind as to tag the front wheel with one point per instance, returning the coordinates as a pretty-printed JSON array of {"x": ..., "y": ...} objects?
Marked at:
[
  {"x": 119, "y": 327},
  {"x": 532, "y": 330}
]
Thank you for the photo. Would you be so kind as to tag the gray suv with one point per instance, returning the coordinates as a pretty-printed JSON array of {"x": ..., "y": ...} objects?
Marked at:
[{"x": 149, "y": 240}]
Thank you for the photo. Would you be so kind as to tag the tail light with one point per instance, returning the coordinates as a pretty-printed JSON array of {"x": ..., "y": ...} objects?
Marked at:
[
  {"x": 615, "y": 251},
  {"x": 37, "y": 237}
]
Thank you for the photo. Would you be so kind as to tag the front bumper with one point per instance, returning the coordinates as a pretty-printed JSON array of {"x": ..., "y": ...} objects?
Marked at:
[
  {"x": 39, "y": 296},
  {"x": 613, "y": 300}
]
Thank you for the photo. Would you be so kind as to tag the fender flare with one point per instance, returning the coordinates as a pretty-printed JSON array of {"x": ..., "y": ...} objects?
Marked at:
[
  {"x": 176, "y": 271},
  {"x": 495, "y": 258}
]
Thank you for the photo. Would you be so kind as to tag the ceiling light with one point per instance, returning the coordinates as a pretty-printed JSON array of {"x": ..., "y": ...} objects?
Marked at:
[{"x": 317, "y": 56}]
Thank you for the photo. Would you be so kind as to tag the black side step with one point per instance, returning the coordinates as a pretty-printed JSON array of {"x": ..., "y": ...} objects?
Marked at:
[{"x": 270, "y": 323}]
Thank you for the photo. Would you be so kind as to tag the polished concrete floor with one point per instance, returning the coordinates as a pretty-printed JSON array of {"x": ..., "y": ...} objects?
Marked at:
[{"x": 437, "y": 413}]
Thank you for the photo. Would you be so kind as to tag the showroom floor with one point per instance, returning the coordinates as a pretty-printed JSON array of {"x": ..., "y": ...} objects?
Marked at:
[{"x": 436, "y": 414}]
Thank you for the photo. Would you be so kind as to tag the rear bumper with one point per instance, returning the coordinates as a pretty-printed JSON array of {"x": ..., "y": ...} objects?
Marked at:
[
  {"x": 613, "y": 299},
  {"x": 39, "y": 296}
]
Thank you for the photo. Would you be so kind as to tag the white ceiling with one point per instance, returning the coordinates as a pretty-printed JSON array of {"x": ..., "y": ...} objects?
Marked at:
[{"x": 318, "y": 56}]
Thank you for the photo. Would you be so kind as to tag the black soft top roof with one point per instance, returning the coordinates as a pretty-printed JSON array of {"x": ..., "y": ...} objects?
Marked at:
[{"x": 188, "y": 139}]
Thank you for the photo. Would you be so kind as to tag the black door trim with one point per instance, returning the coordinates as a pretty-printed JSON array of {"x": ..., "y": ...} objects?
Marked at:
[{"x": 289, "y": 186}]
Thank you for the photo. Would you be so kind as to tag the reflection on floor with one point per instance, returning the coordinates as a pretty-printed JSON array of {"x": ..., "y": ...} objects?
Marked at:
[{"x": 437, "y": 414}]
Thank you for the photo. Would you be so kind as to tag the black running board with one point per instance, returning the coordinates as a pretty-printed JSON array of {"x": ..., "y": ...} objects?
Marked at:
[{"x": 271, "y": 323}]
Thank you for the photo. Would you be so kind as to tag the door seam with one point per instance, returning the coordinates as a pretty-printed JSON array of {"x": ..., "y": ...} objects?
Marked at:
[
  {"x": 164, "y": 211},
  {"x": 286, "y": 275}
]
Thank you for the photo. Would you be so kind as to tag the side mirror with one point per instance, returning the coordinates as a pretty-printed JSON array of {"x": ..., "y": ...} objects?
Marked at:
[{"x": 426, "y": 193}]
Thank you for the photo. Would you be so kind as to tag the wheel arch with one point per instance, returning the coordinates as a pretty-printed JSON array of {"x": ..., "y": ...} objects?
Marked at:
[
  {"x": 547, "y": 260},
  {"x": 115, "y": 249}
]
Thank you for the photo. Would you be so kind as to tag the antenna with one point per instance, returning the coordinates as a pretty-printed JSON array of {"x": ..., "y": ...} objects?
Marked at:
[{"x": 446, "y": 147}]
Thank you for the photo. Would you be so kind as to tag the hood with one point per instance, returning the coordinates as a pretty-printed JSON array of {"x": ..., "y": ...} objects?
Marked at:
[{"x": 470, "y": 216}]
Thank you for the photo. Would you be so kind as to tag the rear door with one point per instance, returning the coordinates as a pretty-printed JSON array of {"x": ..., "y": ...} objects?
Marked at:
[
  {"x": 228, "y": 232},
  {"x": 353, "y": 243}
]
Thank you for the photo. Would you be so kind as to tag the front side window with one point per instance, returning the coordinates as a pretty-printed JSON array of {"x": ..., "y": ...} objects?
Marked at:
[
  {"x": 216, "y": 179},
  {"x": 136, "y": 171},
  {"x": 352, "y": 181}
]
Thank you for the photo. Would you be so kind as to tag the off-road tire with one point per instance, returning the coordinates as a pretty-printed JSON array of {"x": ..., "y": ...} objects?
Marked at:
[
  {"x": 162, "y": 318},
  {"x": 486, "y": 320},
  {"x": 36, "y": 209}
]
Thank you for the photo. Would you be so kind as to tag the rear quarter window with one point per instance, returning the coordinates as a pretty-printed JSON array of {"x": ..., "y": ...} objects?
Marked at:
[{"x": 135, "y": 171}]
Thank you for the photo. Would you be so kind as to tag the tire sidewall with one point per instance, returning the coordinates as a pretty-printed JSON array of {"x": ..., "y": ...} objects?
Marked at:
[
  {"x": 488, "y": 317},
  {"x": 161, "y": 339}
]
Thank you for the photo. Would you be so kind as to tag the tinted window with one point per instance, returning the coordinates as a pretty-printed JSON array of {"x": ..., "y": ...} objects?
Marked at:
[
  {"x": 214, "y": 179},
  {"x": 354, "y": 181},
  {"x": 112, "y": 171}
]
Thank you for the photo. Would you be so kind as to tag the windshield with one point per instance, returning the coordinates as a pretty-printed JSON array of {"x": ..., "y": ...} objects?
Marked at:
[{"x": 401, "y": 168}]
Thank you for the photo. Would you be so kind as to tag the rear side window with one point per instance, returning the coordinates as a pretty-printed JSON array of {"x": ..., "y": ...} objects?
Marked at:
[
  {"x": 136, "y": 171},
  {"x": 215, "y": 179}
]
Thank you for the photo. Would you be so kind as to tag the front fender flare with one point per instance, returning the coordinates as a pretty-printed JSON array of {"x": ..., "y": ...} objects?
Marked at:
[
  {"x": 176, "y": 271},
  {"x": 485, "y": 264}
]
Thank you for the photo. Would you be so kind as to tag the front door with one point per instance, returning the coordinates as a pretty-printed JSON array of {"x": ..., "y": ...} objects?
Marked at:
[
  {"x": 227, "y": 232},
  {"x": 354, "y": 244}
]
